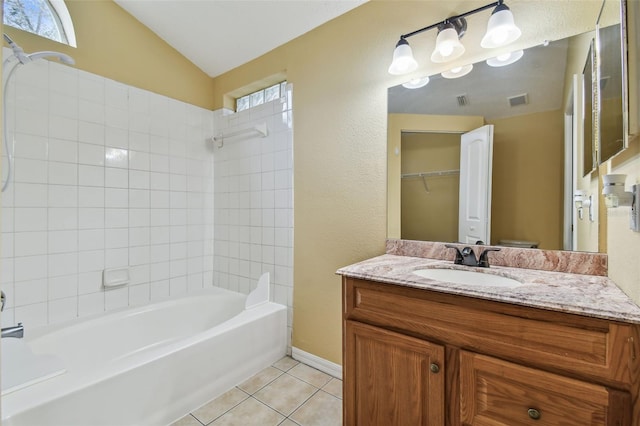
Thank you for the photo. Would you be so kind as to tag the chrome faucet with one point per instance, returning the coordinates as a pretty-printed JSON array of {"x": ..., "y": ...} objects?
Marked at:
[
  {"x": 14, "y": 331},
  {"x": 467, "y": 257}
]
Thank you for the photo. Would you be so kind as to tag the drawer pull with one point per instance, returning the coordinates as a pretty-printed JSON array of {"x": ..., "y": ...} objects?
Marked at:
[
  {"x": 435, "y": 368},
  {"x": 533, "y": 413}
]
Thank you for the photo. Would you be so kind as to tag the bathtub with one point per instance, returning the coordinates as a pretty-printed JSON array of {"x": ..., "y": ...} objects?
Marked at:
[{"x": 148, "y": 365}]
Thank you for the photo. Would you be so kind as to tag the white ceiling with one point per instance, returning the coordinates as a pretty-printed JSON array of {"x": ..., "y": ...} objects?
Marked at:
[{"x": 219, "y": 35}]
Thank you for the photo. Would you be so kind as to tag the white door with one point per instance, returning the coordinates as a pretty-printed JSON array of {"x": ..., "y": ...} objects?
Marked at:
[{"x": 474, "y": 214}]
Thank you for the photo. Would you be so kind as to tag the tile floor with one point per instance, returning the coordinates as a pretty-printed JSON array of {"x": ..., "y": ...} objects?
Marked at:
[{"x": 288, "y": 394}]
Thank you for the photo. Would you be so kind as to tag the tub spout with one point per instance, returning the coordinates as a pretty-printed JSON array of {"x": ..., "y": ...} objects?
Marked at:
[{"x": 15, "y": 331}]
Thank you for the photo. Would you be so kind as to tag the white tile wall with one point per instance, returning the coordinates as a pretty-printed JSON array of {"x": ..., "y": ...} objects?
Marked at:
[
  {"x": 253, "y": 186},
  {"x": 106, "y": 175}
]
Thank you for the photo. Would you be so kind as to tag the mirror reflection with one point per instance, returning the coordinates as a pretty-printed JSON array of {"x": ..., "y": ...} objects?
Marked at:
[
  {"x": 612, "y": 132},
  {"x": 537, "y": 109}
]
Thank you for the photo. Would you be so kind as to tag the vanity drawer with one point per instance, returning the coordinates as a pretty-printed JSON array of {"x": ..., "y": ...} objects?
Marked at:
[
  {"x": 558, "y": 342},
  {"x": 495, "y": 392}
]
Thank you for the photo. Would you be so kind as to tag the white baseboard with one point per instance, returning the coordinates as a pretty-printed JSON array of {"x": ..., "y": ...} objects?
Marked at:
[{"x": 316, "y": 362}]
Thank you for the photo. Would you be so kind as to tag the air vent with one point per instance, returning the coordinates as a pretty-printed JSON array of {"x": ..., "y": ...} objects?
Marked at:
[
  {"x": 515, "y": 101},
  {"x": 603, "y": 82},
  {"x": 463, "y": 100}
]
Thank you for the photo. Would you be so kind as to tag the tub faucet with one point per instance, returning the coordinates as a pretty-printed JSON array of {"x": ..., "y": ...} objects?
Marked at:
[
  {"x": 14, "y": 331},
  {"x": 467, "y": 257}
]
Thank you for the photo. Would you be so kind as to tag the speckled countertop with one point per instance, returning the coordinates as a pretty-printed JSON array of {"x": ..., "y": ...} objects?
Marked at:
[{"x": 589, "y": 295}]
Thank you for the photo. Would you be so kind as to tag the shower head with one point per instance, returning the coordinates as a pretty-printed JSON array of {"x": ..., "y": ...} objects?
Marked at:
[
  {"x": 24, "y": 58},
  {"x": 62, "y": 57},
  {"x": 17, "y": 50}
]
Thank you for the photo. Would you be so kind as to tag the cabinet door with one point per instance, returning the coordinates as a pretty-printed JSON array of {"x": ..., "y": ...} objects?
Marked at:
[
  {"x": 499, "y": 393},
  {"x": 391, "y": 379}
]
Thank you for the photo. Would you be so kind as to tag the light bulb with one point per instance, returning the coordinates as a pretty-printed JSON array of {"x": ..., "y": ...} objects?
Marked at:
[{"x": 446, "y": 49}]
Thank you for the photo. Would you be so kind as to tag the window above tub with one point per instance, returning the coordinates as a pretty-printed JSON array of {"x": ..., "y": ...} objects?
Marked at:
[
  {"x": 261, "y": 96},
  {"x": 46, "y": 18}
]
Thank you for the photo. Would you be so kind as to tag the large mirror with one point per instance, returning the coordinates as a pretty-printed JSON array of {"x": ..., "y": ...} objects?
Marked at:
[{"x": 537, "y": 109}]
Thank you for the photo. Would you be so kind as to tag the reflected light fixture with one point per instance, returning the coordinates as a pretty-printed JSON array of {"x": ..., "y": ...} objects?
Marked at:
[
  {"x": 416, "y": 83},
  {"x": 505, "y": 59},
  {"x": 501, "y": 30},
  {"x": 458, "y": 72}
]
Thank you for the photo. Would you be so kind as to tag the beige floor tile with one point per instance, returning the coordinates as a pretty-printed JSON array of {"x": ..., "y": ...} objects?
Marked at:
[
  {"x": 285, "y": 394},
  {"x": 310, "y": 375},
  {"x": 214, "y": 409},
  {"x": 334, "y": 387},
  {"x": 286, "y": 363},
  {"x": 288, "y": 422},
  {"x": 321, "y": 409},
  {"x": 261, "y": 379},
  {"x": 187, "y": 420},
  {"x": 249, "y": 413}
]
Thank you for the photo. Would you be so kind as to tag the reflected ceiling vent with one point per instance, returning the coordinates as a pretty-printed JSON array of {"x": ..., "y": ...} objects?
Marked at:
[
  {"x": 603, "y": 82},
  {"x": 517, "y": 100},
  {"x": 462, "y": 100}
]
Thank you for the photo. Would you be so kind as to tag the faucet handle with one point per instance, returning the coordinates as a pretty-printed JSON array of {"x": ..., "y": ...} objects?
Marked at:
[
  {"x": 483, "y": 262},
  {"x": 458, "y": 260}
]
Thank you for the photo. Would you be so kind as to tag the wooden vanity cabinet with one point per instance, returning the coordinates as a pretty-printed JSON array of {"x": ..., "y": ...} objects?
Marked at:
[{"x": 417, "y": 357}]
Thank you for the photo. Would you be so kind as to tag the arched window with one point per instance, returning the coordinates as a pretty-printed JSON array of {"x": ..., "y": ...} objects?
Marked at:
[{"x": 46, "y": 18}]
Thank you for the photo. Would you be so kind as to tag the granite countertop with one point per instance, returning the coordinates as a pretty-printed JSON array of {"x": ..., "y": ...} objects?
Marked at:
[{"x": 589, "y": 295}]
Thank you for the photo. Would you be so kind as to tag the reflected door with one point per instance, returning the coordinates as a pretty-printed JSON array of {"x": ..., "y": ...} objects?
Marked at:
[{"x": 474, "y": 214}]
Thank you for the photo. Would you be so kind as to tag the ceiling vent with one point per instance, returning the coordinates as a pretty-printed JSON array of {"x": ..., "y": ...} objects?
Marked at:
[
  {"x": 517, "y": 100},
  {"x": 462, "y": 100}
]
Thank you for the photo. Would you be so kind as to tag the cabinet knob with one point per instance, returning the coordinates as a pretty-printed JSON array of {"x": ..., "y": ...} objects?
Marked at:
[
  {"x": 533, "y": 413},
  {"x": 435, "y": 368}
]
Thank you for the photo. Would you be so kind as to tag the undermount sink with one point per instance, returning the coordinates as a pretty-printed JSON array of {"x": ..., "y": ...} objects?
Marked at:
[{"x": 457, "y": 276}]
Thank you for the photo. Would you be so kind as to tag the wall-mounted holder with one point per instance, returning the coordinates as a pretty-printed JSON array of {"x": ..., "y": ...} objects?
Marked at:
[
  {"x": 582, "y": 201},
  {"x": 616, "y": 196}
]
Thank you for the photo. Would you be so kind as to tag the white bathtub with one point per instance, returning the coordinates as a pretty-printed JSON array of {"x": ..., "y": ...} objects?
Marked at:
[{"x": 148, "y": 365}]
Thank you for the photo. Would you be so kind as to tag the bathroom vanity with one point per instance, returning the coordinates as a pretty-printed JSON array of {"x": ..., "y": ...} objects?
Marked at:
[{"x": 557, "y": 348}]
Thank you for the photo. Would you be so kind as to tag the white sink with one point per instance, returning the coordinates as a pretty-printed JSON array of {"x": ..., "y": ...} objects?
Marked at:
[{"x": 457, "y": 276}]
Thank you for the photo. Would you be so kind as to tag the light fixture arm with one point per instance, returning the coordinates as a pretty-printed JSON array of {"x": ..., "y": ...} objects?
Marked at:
[{"x": 452, "y": 19}]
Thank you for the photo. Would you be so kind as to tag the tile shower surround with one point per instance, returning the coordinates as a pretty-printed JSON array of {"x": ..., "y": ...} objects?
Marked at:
[{"x": 108, "y": 175}]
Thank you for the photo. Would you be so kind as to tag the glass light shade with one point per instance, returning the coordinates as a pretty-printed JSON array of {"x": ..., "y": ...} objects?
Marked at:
[
  {"x": 416, "y": 83},
  {"x": 505, "y": 59},
  {"x": 501, "y": 29},
  {"x": 458, "y": 72},
  {"x": 403, "y": 61},
  {"x": 448, "y": 46}
]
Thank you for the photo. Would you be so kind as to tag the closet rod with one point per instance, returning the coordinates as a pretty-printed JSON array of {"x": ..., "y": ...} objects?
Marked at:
[{"x": 431, "y": 174}]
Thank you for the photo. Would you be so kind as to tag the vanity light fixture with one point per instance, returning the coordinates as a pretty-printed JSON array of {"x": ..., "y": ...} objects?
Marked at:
[
  {"x": 458, "y": 72},
  {"x": 403, "y": 62},
  {"x": 505, "y": 59},
  {"x": 416, "y": 83},
  {"x": 501, "y": 30},
  {"x": 448, "y": 46}
]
